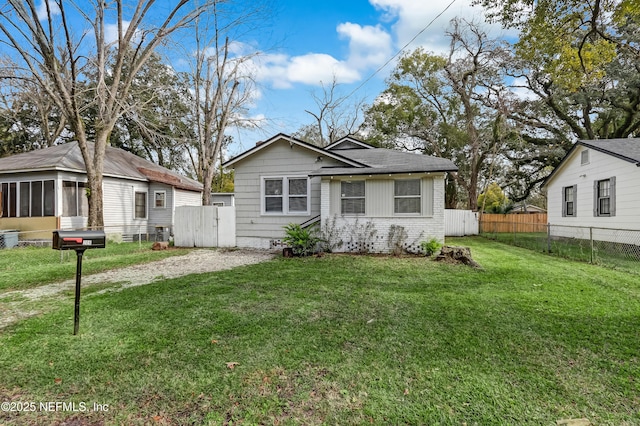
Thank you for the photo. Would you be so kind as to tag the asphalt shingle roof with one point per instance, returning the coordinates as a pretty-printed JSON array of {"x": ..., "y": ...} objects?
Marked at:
[
  {"x": 626, "y": 149},
  {"x": 382, "y": 161},
  {"x": 117, "y": 163}
]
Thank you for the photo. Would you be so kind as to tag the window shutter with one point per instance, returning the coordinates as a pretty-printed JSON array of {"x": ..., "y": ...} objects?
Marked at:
[
  {"x": 564, "y": 201},
  {"x": 612, "y": 196},
  {"x": 575, "y": 200},
  {"x": 595, "y": 198}
]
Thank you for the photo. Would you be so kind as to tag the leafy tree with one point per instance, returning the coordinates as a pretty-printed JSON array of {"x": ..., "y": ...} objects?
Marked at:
[
  {"x": 157, "y": 124},
  {"x": 578, "y": 63},
  {"x": 493, "y": 200},
  {"x": 436, "y": 104}
]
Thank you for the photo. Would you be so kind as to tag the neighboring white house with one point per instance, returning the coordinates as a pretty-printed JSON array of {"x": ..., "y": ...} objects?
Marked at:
[
  {"x": 352, "y": 188},
  {"x": 597, "y": 184},
  {"x": 46, "y": 189}
]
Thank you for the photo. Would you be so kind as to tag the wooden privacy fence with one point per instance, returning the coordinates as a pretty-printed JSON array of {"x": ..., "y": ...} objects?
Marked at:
[
  {"x": 205, "y": 226},
  {"x": 458, "y": 223},
  {"x": 513, "y": 223}
]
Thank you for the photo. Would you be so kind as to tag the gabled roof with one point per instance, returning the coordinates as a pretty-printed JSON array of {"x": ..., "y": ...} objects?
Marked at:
[
  {"x": 292, "y": 141},
  {"x": 117, "y": 163},
  {"x": 625, "y": 149},
  {"x": 348, "y": 142},
  {"x": 359, "y": 158}
]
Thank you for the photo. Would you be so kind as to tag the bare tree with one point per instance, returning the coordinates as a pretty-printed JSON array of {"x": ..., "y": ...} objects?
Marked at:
[
  {"x": 335, "y": 117},
  {"x": 34, "y": 119},
  {"x": 223, "y": 86},
  {"x": 62, "y": 45}
]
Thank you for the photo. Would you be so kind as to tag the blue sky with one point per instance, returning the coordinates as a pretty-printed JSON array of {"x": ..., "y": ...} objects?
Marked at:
[{"x": 348, "y": 39}]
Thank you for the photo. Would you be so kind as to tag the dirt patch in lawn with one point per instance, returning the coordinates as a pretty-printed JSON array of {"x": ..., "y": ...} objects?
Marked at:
[{"x": 15, "y": 305}]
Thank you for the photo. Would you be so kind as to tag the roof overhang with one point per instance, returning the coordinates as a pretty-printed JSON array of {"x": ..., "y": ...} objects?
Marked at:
[
  {"x": 292, "y": 142},
  {"x": 342, "y": 172}
]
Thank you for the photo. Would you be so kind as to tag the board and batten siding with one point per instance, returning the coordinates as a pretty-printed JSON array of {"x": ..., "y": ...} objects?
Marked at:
[
  {"x": 379, "y": 195},
  {"x": 600, "y": 166},
  {"x": 279, "y": 159}
]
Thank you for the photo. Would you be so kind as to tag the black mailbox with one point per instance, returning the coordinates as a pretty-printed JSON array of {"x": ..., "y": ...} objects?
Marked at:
[{"x": 78, "y": 240}]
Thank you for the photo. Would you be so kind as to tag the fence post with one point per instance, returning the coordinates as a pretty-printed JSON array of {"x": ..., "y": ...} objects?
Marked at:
[
  {"x": 548, "y": 238},
  {"x": 591, "y": 242}
]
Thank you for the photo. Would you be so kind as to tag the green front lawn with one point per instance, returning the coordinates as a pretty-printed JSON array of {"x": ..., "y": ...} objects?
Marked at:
[
  {"x": 340, "y": 339},
  {"x": 27, "y": 267}
]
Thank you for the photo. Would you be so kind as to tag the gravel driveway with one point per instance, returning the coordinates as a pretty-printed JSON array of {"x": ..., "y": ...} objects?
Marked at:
[{"x": 14, "y": 304}]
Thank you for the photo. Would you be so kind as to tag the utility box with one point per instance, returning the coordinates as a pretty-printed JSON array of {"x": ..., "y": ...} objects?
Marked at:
[
  {"x": 8, "y": 238},
  {"x": 78, "y": 240}
]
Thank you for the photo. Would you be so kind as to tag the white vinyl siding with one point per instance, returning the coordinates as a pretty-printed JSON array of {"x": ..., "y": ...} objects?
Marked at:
[{"x": 626, "y": 202}]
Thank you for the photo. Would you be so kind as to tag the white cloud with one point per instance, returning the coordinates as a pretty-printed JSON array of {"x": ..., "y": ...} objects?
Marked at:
[
  {"x": 369, "y": 46},
  {"x": 410, "y": 17},
  {"x": 42, "y": 10},
  {"x": 317, "y": 68}
]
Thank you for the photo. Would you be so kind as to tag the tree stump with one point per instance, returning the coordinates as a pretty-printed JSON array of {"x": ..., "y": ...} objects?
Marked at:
[{"x": 457, "y": 255}]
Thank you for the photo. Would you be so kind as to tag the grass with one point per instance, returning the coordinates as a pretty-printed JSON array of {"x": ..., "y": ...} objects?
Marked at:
[
  {"x": 28, "y": 267},
  {"x": 625, "y": 257},
  {"x": 527, "y": 340}
]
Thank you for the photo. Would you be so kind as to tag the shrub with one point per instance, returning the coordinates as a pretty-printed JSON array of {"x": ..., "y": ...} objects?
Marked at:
[
  {"x": 303, "y": 241},
  {"x": 430, "y": 247}
]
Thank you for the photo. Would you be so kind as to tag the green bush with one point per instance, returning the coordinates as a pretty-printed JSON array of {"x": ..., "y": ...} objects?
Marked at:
[
  {"x": 430, "y": 247},
  {"x": 303, "y": 241}
]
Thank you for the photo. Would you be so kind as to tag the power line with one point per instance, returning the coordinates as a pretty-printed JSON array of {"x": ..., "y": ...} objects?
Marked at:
[{"x": 400, "y": 51}]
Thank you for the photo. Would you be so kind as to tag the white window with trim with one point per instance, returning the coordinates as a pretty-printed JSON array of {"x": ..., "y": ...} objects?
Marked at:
[
  {"x": 569, "y": 201},
  {"x": 74, "y": 199},
  {"x": 140, "y": 205},
  {"x": 604, "y": 197},
  {"x": 352, "y": 197},
  {"x": 407, "y": 197},
  {"x": 285, "y": 195},
  {"x": 160, "y": 199}
]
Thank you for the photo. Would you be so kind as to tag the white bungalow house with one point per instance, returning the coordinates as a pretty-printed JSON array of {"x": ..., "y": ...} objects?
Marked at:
[
  {"x": 45, "y": 190},
  {"x": 596, "y": 185},
  {"x": 369, "y": 198}
]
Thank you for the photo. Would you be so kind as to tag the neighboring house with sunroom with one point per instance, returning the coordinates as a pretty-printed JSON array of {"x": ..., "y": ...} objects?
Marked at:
[
  {"x": 46, "y": 189},
  {"x": 596, "y": 185},
  {"x": 366, "y": 197}
]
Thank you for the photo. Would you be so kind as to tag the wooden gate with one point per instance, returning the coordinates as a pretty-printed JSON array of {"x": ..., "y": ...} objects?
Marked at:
[{"x": 205, "y": 226}]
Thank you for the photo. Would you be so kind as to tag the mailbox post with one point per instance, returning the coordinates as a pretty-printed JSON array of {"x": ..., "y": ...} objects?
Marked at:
[{"x": 78, "y": 241}]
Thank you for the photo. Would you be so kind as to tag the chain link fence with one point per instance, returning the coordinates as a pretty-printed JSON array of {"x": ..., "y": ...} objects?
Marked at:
[
  {"x": 618, "y": 248},
  {"x": 11, "y": 238}
]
